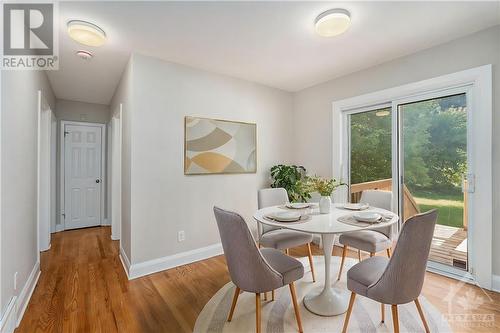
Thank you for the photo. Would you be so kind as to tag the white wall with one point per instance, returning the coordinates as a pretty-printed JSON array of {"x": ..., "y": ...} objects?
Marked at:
[
  {"x": 163, "y": 199},
  {"x": 313, "y": 106},
  {"x": 78, "y": 111},
  {"x": 123, "y": 95},
  {"x": 19, "y": 111}
]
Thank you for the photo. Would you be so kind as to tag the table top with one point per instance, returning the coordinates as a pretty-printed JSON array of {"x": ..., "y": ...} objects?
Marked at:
[{"x": 323, "y": 223}]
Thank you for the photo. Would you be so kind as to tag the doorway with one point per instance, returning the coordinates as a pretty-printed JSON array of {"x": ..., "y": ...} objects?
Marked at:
[
  {"x": 82, "y": 174},
  {"x": 430, "y": 144}
]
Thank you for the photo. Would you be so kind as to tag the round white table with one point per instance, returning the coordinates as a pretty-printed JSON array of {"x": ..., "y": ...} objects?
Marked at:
[{"x": 325, "y": 300}]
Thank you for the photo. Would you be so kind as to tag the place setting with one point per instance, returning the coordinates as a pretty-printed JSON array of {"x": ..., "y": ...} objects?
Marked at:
[{"x": 365, "y": 218}]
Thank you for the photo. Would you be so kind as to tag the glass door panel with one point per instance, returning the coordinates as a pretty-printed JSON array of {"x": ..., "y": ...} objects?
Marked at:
[
  {"x": 370, "y": 163},
  {"x": 433, "y": 165}
]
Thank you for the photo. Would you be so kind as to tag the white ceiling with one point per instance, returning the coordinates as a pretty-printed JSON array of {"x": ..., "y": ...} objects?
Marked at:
[{"x": 272, "y": 43}]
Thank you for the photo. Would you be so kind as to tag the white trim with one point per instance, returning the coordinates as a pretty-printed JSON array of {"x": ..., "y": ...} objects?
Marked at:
[
  {"x": 495, "y": 283},
  {"x": 106, "y": 222},
  {"x": 125, "y": 261},
  {"x": 480, "y": 80},
  {"x": 178, "y": 259},
  {"x": 25, "y": 294},
  {"x": 62, "y": 173},
  {"x": 115, "y": 162},
  {"x": 8, "y": 320}
]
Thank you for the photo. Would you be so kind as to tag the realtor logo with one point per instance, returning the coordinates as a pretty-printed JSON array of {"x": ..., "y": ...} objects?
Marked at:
[{"x": 29, "y": 36}]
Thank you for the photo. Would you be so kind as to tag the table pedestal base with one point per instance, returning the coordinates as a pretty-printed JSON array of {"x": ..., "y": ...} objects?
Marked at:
[{"x": 327, "y": 302}]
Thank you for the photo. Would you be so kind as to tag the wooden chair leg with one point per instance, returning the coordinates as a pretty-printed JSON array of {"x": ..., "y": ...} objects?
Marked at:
[
  {"x": 388, "y": 253},
  {"x": 395, "y": 319},
  {"x": 272, "y": 295},
  {"x": 344, "y": 252},
  {"x": 233, "y": 305},
  {"x": 257, "y": 312},
  {"x": 382, "y": 311},
  {"x": 349, "y": 311},
  {"x": 421, "y": 313},
  {"x": 372, "y": 254},
  {"x": 265, "y": 296},
  {"x": 309, "y": 254},
  {"x": 359, "y": 255},
  {"x": 287, "y": 252},
  {"x": 296, "y": 306}
]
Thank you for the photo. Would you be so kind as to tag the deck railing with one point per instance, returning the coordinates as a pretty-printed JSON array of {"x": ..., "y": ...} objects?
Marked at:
[{"x": 410, "y": 205}]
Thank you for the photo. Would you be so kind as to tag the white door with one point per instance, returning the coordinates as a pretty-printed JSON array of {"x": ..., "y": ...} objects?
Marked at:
[{"x": 82, "y": 167}]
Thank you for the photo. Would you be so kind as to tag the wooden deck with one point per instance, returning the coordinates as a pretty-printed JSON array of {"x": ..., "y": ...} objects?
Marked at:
[{"x": 449, "y": 244}]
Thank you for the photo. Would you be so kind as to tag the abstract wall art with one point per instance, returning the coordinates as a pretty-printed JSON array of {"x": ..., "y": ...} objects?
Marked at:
[{"x": 213, "y": 146}]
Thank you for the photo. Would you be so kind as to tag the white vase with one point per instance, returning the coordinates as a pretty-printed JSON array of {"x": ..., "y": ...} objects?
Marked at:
[{"x": 324, "y": 204}]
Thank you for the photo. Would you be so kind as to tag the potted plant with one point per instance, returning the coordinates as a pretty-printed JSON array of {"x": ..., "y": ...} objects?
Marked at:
[
  {"x": 290, "y": 178},
  {"x": 325, "y": 187}
]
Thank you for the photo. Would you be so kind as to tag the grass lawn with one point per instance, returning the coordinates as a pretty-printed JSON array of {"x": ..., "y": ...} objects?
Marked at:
[{"x": 449, "y": 206}]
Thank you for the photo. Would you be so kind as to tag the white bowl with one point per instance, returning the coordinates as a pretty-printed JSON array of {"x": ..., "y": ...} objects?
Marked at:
[
  {"x": 356, "y": 206},
  {"x": 298, "y": 205},
  {"x": 370, "y": 217}
]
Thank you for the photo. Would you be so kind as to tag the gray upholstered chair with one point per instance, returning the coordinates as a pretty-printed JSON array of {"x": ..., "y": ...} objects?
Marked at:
[
  {"x": 397, "y": 280},
  {"x": 253, "y": 270},
  {"x": 276, "y": 238},
  {"x": 371, "y": 241}
]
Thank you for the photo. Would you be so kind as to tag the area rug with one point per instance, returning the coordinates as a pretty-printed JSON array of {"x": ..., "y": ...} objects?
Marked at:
[{"x": 278, "y": 315}]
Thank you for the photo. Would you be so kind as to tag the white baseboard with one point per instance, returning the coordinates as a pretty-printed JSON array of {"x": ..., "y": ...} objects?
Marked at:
[
  {"x": 8, "y": 322},
  {"x": 106, "y": 222},
  {"x": 25, "y": 294},
  {"x": 125, "y": 262},
  {"x": 178, "y": 259},
  {"x": 495, "y": 283},
  {"x": 59, "y": 227}
]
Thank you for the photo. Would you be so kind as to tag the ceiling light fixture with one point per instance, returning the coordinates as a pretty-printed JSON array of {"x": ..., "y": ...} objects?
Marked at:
[
  {"x": 333, "y": 22},
  {"x": 86, "y": 33},
  {"x": 85, "y": 55}
]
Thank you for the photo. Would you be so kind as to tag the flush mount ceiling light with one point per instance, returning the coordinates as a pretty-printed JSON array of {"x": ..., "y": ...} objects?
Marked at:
[
  {"x": 333, "y": 22},
  {"x": 86, "y": 33}
]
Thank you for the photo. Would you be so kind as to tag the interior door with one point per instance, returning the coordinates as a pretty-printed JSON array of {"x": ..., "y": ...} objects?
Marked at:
[{"x": 82, "y": 167}]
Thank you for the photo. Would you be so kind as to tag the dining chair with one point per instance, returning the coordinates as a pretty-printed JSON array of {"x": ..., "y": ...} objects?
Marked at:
[
  {"x": 281, "y": 239},
  {"x": 374, "y": 240},
  {"x": 397, "y": 280},
  {"x": 252, "y": 269}
]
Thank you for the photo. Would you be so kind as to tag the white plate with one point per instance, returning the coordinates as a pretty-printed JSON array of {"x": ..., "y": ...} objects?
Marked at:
[
  {"x": 370, "y": 217},
  {"x": 298, "y": 205},
  {"x": 285, "y": 216},
  {"x": 356, "y": 206}
]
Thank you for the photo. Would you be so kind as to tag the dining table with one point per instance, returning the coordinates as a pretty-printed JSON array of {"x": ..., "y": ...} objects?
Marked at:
[{"x": 326, "y": 300}]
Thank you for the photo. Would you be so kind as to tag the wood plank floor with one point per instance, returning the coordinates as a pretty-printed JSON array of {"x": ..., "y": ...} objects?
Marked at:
[{"x": 83, "y": 288}]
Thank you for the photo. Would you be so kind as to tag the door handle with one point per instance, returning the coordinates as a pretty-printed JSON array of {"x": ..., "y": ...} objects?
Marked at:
[{"x": 97, "y": 181}]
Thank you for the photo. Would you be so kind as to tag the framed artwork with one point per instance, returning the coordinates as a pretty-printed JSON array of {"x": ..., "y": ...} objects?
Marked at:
[{"x": 214, "y": 146}]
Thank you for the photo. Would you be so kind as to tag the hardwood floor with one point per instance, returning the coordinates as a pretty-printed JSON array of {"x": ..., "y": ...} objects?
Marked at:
[{"x": 83, "y": 288}]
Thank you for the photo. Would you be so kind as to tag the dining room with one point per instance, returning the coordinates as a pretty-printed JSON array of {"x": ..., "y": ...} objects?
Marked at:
[{"x": 256, "y": 167}]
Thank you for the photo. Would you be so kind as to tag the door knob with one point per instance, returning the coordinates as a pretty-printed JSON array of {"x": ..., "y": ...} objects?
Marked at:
[{"x": 97, "y": 181}]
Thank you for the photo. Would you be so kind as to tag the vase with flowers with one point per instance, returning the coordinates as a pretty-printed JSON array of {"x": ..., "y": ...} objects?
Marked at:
[{"x": 325, "y": 187}]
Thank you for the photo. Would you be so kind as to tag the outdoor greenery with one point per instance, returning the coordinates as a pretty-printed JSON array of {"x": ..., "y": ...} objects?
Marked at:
[
  {"x": 434, "y": 146},
  {"x": 289, "y": 177}
]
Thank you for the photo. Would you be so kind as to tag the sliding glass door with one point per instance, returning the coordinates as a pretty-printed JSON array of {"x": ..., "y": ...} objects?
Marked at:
[
  {"x": 433, "y": 168},
  {"x": 426, "y": 136}
]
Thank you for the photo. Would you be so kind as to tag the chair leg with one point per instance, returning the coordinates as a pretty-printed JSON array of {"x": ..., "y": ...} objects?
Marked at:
[
  {"x": 296, "y": 306},
  {"x": 233, "y": 305},
  {"x": 287, "y": 252},
  {"x": 344, "y": 252},
  {"x": 349, "y": 311},
  {"x": 257, "y": 312},
  {"x": 382, "y": 311},
  {"x": 359, "y": 255},
  {"x": 272, "y": 295},
  {"x": 265, "y": 296},
  {"x": 421, "y": 313},
  {"x": 388, "y": 253},
  {"x": 309, "y": 254},
  {"x": 372, "y": 254},
  {"x": 395, "y": 319}
]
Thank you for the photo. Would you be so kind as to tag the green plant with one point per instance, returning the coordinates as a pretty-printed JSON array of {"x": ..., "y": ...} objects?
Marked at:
[
  {"x": 324, "y": 186},
  {"x": 289, "y": 177}
]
